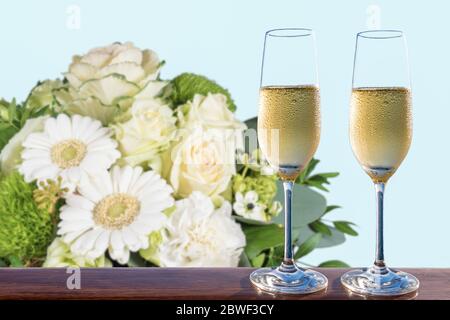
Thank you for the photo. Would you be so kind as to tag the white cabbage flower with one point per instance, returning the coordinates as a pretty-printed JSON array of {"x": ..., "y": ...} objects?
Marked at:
[
  {"x": 60, "y": 256},
  {"x": 204, "y": 160},
  {"x": 10, "y": 157},
  {"x": 198, "y": 235},
  {"x": 42, "y": 94},
  {"x": 147, "y": 133},
  {"x": 104, "y": 82}
]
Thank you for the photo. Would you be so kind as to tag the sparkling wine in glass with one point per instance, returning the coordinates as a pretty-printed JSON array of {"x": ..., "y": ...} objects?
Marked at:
[
  {"x": 288, "y": 134},
  {"x": 380, "y": 135}
]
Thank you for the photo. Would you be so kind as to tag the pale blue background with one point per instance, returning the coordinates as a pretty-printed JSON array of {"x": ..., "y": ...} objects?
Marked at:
[{"x": 223, "y": 40}]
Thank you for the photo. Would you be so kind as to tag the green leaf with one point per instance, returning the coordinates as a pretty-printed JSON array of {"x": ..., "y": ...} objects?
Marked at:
[
  {"x": 307, "y": 171},
  {"x": 319, "y": 226},
  {"x": 318, "y": 180},
  {"x": 244, "y": 261},
  {"x": 275, "y": 256},
  {"x": 335, "y": 239},
  {"x": 186, "y": 85},
  {"x": 252, "y": 123},
  {"x": 136, "y": 260},
  {"x": 333, "y": 264},
  {"x": 12, "y": 109},
  {"x": 309, "y": 245},
  {"x": 6, "y": 134},
  {"x": 260, "y": 238},
  {"x": 345, "y": 227},
  {"x": 250, "y": 221},
  {"x": 308, "y": 205},
  {"x": 258, "y": 261},
  {"x": 331, "y": 208},
  {"x": 15, "y": 262},
  {"x": 3, "y": 263}
]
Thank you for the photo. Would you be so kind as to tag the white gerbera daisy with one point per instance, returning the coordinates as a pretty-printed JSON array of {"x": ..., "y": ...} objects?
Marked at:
[
  {"x": 115, "y": 210},
  {"x": 248, "y": 207},
  {"x": 70, "y": 147}
]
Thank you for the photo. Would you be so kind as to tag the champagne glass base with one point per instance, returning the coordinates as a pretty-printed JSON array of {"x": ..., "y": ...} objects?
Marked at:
[
  {"x": 379, "y": 281},
  {"x": 288, "y": 279}
]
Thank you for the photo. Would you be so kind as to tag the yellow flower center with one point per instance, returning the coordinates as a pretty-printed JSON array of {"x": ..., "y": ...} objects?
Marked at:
[
  {"x": 68, "y": 153},
  {"x": 116, "y": 211}
]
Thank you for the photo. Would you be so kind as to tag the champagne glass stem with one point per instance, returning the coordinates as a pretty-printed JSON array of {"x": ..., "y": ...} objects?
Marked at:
[
  {"x": 288, "y": 186},
  {"x": 379, "y": 252}
]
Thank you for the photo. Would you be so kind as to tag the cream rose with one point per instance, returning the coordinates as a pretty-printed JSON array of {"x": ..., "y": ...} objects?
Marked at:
[
  {"x": 211, "y": 111},
  {"x": 147, "y": 133},
  {"x": 204, "y": 160}
]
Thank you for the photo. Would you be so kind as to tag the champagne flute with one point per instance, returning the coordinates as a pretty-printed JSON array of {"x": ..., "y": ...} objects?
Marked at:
[
  {"x": 380, "y": 135},
  {"x": 288, "y": 134}
]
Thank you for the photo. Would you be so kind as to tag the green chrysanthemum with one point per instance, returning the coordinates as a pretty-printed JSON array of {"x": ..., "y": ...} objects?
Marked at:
[
  {"x": 187, "y": 85},
  {"x": 26, "y": 230}
]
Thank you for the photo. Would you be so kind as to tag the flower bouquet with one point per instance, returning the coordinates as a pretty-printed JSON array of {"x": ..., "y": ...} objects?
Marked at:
[{"x": 114, "y": 166}]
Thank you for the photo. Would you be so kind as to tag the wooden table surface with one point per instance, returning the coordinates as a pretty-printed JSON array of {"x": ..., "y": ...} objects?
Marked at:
[{"x": 174, "y": 283}]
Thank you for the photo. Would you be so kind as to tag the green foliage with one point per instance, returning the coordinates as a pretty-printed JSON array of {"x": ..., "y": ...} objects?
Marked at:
[
  {"x": 13, "y": 116},
  {"x": 345, "y": 227},
  {"x": 265, "y": 186},
  {"x": 260, "y": 238},
  {"x": 308, "y": 246},
  {"x": 317, "y": 180},
  {"x": 9, "y": 123},
  {"x": 310, "y": 228},
  {"x": 186, "y": 85},
  {"x": 26, "y": 230},
  {"x": 333, "y": 264}
]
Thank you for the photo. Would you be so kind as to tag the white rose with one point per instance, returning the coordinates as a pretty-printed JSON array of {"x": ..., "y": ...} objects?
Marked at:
[
  {"x": 211, "y": 111},
  {"x": 10, "y": 157},
  {"x": 197, "y": 235},
  {"x": 204, "y": 160},
  {"x": 147, "y": 133}
]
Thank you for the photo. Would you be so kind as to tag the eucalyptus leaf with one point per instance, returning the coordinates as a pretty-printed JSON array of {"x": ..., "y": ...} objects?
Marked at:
[
  {"x": 309, "y": 245},
  {"x": 260, "y": 238},
  {"x": 252, "y": 123},
  {"x": 333, "y": 264},
  {"x": 335, "y": 239},
  {"x": 308, "y": 205}
]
